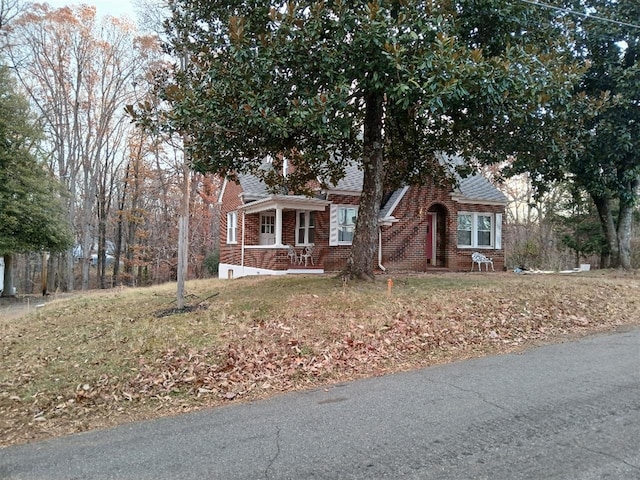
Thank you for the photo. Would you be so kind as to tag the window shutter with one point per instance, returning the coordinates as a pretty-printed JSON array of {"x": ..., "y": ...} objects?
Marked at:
[
  {"x": 498, "y": 231},
  {"x": 333, "y": 225}
]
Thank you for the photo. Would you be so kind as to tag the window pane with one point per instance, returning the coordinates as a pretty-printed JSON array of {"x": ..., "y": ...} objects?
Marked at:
[
  {"x": 311, "y": 237},
  {"x": 464, "y": 222},
  {"x": 301, "y": 218},
  {"x": 464, "y": 237},
  {"x": 231, "y": 227},
  {"x": 484, "y": 223},
  {"x": 345, "y": 234},
  {"x": 347, "y": 216},
  {"x": 484, "y": 239},
  {"x": 267, "y": 224},
  {"x": 352, "y": 215}
]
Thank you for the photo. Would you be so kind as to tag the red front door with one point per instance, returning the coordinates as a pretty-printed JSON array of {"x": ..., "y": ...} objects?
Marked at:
[{"x": 430, "y": 234}]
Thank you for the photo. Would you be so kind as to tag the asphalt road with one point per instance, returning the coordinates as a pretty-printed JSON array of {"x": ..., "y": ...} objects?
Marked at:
[{"x": 564, "y": 411}]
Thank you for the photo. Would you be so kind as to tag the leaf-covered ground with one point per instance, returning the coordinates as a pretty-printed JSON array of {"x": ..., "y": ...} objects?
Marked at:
[{"x": 106, "y": 358}]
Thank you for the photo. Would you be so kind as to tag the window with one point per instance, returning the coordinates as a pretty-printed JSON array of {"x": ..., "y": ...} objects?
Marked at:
[
  {"x": 465, "y": 230},
  {"x": 232, "y": 224},
  {"x": 479, "y": 230},
  {"x": 343, "y": 224},
  {"x": 305, "y": 228},
  {"x": 347, "y": 217},
  {"x": 267, "y": 224},
  {"x": 484, "y": 230}
]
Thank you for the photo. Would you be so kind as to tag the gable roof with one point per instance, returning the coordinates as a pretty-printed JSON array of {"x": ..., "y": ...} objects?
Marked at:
[
  {"x": 252, "y": 186},
  {"x": 478, "y": 188},
  {"x": 472, "y": 189},
  {"x": 352, "y": 180}
]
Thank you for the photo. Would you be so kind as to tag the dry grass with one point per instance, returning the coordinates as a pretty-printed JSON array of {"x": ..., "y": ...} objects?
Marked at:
[{"x": 106, "y": 358}]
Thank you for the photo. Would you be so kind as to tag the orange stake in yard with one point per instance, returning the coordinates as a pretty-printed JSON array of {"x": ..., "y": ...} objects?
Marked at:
[{"x": 389, "y": 286}]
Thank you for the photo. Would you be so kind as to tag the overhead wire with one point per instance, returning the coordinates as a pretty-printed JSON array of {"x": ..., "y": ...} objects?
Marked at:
[{"x": 585, "y": 15}]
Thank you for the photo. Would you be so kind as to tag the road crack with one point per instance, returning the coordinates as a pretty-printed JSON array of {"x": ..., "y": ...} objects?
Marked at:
[
  {"x": 606, "y": 454},
  {"x": 275, "y": 456},
  {"x": 482, "y": 398}
]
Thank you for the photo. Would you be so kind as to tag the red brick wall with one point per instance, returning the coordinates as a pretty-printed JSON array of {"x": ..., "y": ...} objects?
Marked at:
[
  {"x": 335, "y": 258},
  {"x": 464, "y": 254},
  {"x": 230, "y": 254},
  {"x": 404, "y": 243},
  {"x": 270, "y": 258}
]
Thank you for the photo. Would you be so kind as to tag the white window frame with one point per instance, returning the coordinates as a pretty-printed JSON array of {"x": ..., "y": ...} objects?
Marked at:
[
  {"x": 464, "y": 245},
  {"x": 309, "y": 226},
  {"x": 495, "y": 232},
  {"x": 267, "y": 223},
  {"x": 335, "y": 226},
  {"x": 491, "y": 230},
  {"x": 232, "y": 227}
]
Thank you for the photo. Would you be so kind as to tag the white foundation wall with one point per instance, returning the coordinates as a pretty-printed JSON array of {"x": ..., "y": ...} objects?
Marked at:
[{"x": 228, "y": 271}]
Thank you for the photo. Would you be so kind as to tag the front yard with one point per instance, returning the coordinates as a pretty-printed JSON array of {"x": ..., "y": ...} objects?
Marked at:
[{"x": 101, "y": 359}]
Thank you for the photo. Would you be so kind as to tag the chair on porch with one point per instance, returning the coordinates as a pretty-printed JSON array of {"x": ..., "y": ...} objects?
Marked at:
[
  {"x": 307, "y": 254},
  {"x": 292, "y": 254}
]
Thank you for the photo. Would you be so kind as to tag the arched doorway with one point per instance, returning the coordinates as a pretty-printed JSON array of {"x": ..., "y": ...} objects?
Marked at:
[{"x": 436, "y": 242}]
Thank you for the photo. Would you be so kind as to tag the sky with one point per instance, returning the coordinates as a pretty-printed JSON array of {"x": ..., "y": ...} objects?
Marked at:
[{"x": 117, "y": 8}]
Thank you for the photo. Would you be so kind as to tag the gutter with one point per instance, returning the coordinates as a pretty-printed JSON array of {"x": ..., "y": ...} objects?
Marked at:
[
  {"x": 382, "y": 267},
  {"x": 242, "y": 247}
]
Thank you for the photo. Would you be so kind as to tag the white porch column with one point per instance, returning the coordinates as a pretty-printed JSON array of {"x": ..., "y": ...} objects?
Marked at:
[{"x": 279, "y": 226}]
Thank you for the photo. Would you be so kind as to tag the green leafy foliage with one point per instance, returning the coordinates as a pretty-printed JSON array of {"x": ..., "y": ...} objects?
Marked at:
[
  {"x": 31, "y": 213},
  {"x": 593, "y": 140},
  {"x": 325, "y": 83},
  {"x": 578, "y": 226}
]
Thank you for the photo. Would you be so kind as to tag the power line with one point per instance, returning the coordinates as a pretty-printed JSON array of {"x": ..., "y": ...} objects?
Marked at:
[{"x": 585, "y": 15}]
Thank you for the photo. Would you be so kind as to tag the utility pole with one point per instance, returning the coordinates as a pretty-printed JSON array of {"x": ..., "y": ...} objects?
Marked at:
[
  {"x": 183, "y": 222},
  {"x": 183, "y": 236}
]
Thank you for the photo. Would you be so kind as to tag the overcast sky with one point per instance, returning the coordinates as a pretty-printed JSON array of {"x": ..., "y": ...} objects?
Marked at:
[{"x": 117, "y": 8}]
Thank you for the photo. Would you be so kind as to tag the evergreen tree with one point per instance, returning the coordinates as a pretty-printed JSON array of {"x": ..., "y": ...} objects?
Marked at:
[{"x": 31, "y": 214}]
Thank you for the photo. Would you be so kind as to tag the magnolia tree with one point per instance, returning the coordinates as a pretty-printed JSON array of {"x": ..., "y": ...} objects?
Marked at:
[
  {"x": 386, "y": 84},
  {"x": 592, "y": 141}
]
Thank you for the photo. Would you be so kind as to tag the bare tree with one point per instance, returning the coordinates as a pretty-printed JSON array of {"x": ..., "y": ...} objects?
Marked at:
[
  {"x": 9, "y": 11},
  {"x": 79, "y": 74}
]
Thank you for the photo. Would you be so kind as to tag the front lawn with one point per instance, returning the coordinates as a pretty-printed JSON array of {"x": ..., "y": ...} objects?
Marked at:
[{"x": 105, "y": 358}]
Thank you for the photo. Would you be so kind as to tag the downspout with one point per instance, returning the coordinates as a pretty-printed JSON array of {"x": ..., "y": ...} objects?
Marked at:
[
  {"x": 242, "y": 246},
  {"x": 380, "y": 266}
]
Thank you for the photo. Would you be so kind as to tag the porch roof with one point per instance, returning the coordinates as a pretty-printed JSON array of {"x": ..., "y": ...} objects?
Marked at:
[{"x": 285, "y": 202}]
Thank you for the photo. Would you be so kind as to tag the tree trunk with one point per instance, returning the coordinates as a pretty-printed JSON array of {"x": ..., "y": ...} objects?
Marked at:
[
  {"x": 612, "y": 257},
  {"x": 119, "y": 231},
  {"x": 360, "y": 260},
  {"x": 43, "y": 277},
  {"x": 8, "y": 276},
  {"x": 625, "y": 223},
  {"x": 101, "y": 264},
  {"x": 56, "y": 272},
  {"x": 70, "y": 274}
]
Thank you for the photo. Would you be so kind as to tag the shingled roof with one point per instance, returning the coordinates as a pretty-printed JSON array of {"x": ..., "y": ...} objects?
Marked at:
[{"x": 474, "y": 188}]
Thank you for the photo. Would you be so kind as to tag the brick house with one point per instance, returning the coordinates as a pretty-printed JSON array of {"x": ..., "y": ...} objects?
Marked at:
[{"x": 420, "y": 227}]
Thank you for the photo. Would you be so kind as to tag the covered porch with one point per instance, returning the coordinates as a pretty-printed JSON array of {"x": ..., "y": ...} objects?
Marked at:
[{"x": 271, "y": 228}]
